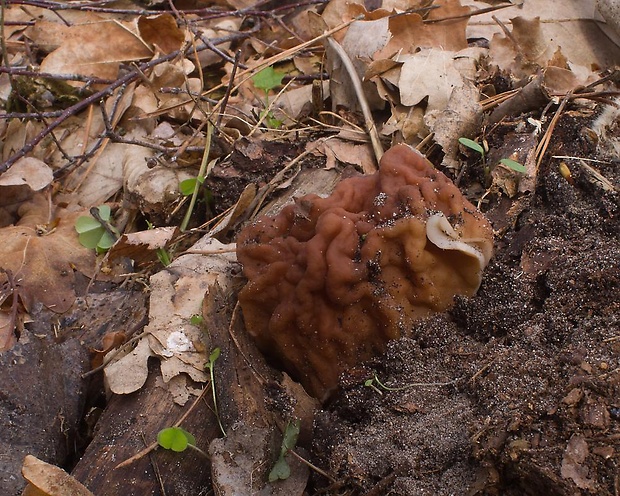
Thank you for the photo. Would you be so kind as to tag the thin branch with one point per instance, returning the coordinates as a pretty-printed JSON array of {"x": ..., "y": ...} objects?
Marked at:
[
  {"x": 95, "y": 97},
  {"x": 224, "y": 104},
  {"x": 16, "y": 71}
]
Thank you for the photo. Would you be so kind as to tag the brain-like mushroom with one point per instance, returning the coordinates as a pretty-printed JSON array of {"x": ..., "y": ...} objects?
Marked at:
[{"x": 332, "y": 280}]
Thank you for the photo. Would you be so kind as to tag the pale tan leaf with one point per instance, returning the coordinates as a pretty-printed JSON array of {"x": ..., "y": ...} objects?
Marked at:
[
  {"x": 27, "y": 171},
  {"x": 429, "y": 73},
  {"x": 176, "y": 295},
  {"x": 141, "y": 246},
  {"x": 573, "y": 28},
  {"x": 48, "y": 480},
  {"x": 128, "y": 373}
]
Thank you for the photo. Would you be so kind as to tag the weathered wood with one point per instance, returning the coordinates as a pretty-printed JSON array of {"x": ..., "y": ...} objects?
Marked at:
[
  {"x": 131, "y": 422},
  {"x": 41, "y": 400},
  {"x": 254, "y": 405}
]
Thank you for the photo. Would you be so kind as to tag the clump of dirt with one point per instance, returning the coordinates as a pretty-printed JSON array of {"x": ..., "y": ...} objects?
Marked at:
[{"x": 516, "y": 390}]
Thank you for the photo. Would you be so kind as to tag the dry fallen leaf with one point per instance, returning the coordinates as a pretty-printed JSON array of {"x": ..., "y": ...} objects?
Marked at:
[
  {"x": 433, "y": 73},
  {"x": 176, "y": 296},
  {"x": 43, "y": 254},
  {"x": 48, "y": 480},
  {"x": 142, "y": 246},
  {"x": 92, "y": 47},
  {"x": 28, "y": 171},
  {"x": 161, "y": 31}
]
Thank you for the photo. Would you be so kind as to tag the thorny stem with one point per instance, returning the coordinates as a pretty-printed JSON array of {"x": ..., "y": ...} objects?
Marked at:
[{"x": 95, "y": 97}]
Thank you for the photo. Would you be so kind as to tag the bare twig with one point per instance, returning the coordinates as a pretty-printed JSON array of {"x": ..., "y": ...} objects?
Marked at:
[
  {"x": 371, "y": 127},
  {"x": 228, "y": 90},
  {"x": 541, "y": 149},
  {"x": 154, "y": 445},
  {"x": 312, "y": 466},
  {"x": 16, "y": 71},
  {"x": 95, "y": 97}
]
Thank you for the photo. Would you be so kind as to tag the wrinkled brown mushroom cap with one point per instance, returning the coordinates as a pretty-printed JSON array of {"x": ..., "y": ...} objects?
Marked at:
[{"x": 331, "y": 280}]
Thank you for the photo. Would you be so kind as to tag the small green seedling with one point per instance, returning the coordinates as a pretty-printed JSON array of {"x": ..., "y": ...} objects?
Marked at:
[
  {"x": 267, "y": 79},
  {"x": 477, "y": 147},
  {"x": 281, "y": 469},
  {"x": 472, "y": 145},
  {"x": 187, "y": 186},
  {"x": 178, "y": 440},
  {"x": 175, "y": 439},
  {"x": 215, "y": 354},
  {"x": 96, "y": 232},
  {"x": 197, "y": 320},
  {"x": 375, "y": 380},
  {"x": 190, "y": 187},
  {"x": 163, "y": 255},
  {"x": 514, "y": 165}
]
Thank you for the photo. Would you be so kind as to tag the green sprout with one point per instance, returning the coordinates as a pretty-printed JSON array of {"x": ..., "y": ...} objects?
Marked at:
[
  {"x": 197, "y": 320},
  {"x": 514, "y": 165},
  {"x": 267, "y": 79},
  {"x": 178, "y": 440},
  {"x": 163, "y": 255},
  {"x": 477, "y": 147},
  {"x": 187, "y": 186},
  {"x": 472, "y": 145},
  {"x": 215, "y": 354},
  {"x": 190, "y": 187},
  {"x": 281, "y": 469},
  {"x": 95, "y": 232}
]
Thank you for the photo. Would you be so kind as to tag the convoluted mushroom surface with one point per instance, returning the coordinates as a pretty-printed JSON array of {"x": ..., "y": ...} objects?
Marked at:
[{"x": 331, "y": 280}]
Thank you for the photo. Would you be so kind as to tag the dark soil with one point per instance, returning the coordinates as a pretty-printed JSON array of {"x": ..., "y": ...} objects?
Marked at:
[{"x": 516, "y": 390}]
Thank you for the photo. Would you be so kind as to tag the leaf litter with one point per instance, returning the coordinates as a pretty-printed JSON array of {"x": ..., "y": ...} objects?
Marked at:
[{"x": 114, "y": 107}]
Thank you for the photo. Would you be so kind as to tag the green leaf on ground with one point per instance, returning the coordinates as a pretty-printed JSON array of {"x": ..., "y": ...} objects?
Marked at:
[
  {"x": 472, "y": 145},
  {"x": 514, "y": 165},
  {"x": 175, "y": 439},
  {"x": 268, "y": 79}
]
